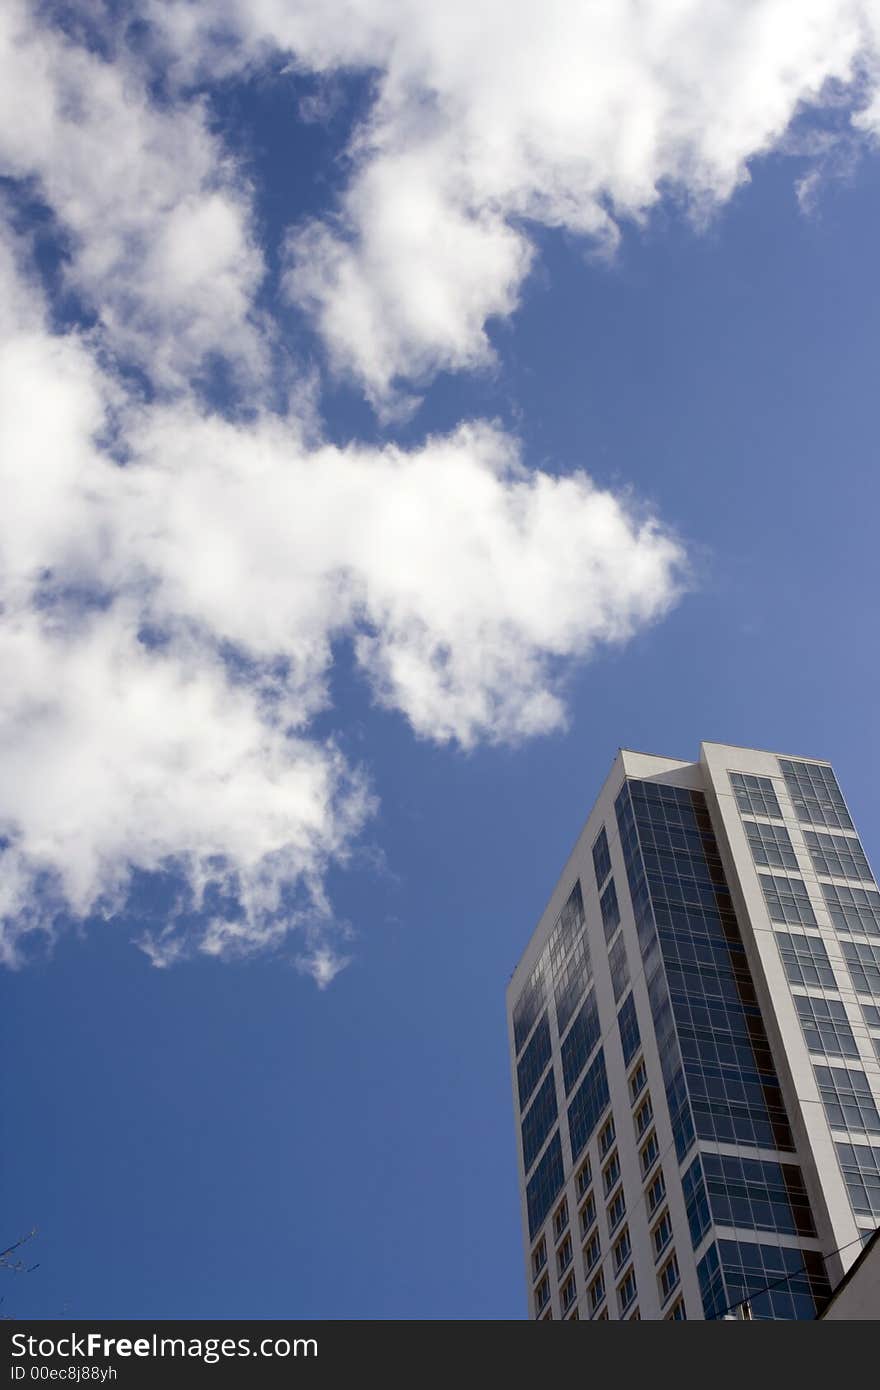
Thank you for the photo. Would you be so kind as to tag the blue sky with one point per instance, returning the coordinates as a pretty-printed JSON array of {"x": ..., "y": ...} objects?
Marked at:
[{"x": 307, "y": 686}]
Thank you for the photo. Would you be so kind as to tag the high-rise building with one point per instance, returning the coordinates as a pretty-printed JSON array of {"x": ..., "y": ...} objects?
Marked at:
[{"x": 695, "y": 1044}]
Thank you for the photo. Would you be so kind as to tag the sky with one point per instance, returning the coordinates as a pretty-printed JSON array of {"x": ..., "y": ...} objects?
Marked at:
[{"x": 402, "y": 408}]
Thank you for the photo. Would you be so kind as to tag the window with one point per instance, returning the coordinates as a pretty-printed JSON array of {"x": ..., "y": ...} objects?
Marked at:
[
  {"x": 806, "y": 960},
  {"x": 826, "y": 1026},
  {"x": 846, "y": 1095},
  {"x": 861, "y": 1170},
  {"x": 619, "y": 969},
  {"x": 853, "y": 909},
  {"x": 696, "y": 1201},
  {"x": 584, "y": 1177},
  {"x": 544, "y": 1185},
  {"x": 676, "y": 1312},
  {"x": 616, "y": 1210},
  {"x": 622, "y": 1250},
  {"x": 770, "y": 845},
  {"x": 787, "y": 900},
  {"x": 592, "y": 1252},
  {"x": 863, "y": 962},
  {"x": 568, "y": 1293},
  {"x": 611, "y": 1173},
  {"x": 587, "y": 1104},
  {"x": 753, "y": 1193},
  {"x": 530, "y": 1067},
  {"x": 580, "y": 1041},
  {"x": 588, "y": 1214},
  {"x": 610, "y": 909},
  {"x": 637, "y": 1080},
  {"x": 635, "y": 1316},
  {"x": 539, "y": 1121},
  {"x": 650, "y": 1153},
  {"x": 755, "y": 794},
  {"x": 662, "y": 1234},
  {"x": 573, "y": 980},
  {"x": 626, "y": 1290},
  {"x": 628, "y": 1025},
  {"x": 563, "y": 1255},
  {"x": 539, "y": 1257},
  {"x": 560, "y": 1218},
  {"x": 606, "y": 1137},
  {"x": 644, "y": 1116},
  {"x": 669, "y": 1277},
  {"x": 542, "y": 1294},
  {"x": 656, "y": 1192},
  {"x": 575, "y": 1317},
  {"x": 601, "y": 858},
  {"x": 815, "y": 794},
  {"x": 597, "y": 1291},
  {"x": 529, "y": 1004},
  {"x": 838, "y": 856}
]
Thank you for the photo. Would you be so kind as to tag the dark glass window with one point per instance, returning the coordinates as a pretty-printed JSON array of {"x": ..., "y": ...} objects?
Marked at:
[
  {"x": 588, "y": 1103},
  {"x": 616, "y": 1210},
  {"x": 568, "y": 1293},
  {"x": 539, "y": 1120},
  {"x": 582, "y": 1038},
  {"x": 669, "y": 1277},
  {"x": 656, "y": 1192},
  {"x": 539, "y": 1257},
  {"x": 601, "y": 858},
  {"x": 542, "y": 1294},
  {"x": 628, "y": 1023},
  {"x": 573, "y": 979},
  {"x": 610, "y": 911},
  {"x": 611, "y": 1174},
  {"x": 838, "y": 856},
  {"x": 662, "y": 1234},
  {"x": 863, "y": 961},
  {"x": 597, "y": 1291},
  {"x": 530, "y": 1067},
  {"x": 544, "y": 1185},
  {"x": 787, "y": 900},
  {"x": 826, "y": 1026},
  {"x": 528, "y": 1006},
  {"x": 750, "y": 1192},
  {"x": 588, "y": 1213},
  {"x": 853, "y": 909},
  {"x": 805, "y": 959},
  {"x": 696, "y": 1202},
  {"x": 846, "y": 1095},
  {"x": 584, "y": 1177},
  {"x": 770, "y": 845},
  {"x": 717, "y": 1068},
  {"x": 619, "y": 969},
  {"x": 779, "y": 1282},
  {"x": 592, "y": 1252},
  {"x": 755, "y": 795},
  {"x": 816, "y": 796},
  {"x": 626, "y": 1291},
  {"x": 569, "y": 925},
  {"x": 622, "y": 1250},
  {"x": 861, "y": 1169}
]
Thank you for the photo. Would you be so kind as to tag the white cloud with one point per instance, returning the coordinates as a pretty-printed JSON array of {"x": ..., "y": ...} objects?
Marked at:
[
  {"x": 167, "y": 627},
  {"x": 156, "y": 217},
  {"x": 493, "y": 113}
]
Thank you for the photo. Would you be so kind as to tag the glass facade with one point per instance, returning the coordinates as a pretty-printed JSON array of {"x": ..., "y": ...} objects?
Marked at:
[
  {"x": 815, "y": 794},
  {"x": 780, "y": 1282},
  {"x": 697, "y": 973},
  {"x": 540, "y": 1119}
]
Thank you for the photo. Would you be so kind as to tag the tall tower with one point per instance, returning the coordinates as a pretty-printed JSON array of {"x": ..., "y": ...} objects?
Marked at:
[{"x": 695, "y": 1044}]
